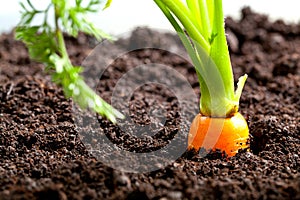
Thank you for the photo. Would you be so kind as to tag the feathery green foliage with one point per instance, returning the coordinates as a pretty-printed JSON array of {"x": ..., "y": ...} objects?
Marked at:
[{"x": 46, "y": 44}]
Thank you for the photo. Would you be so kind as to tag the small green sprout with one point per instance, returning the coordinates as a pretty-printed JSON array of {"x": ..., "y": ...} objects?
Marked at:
[{"x": 46, "y": 44}]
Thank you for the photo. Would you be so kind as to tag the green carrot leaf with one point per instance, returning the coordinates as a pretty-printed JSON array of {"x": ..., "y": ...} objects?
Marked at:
[{"x": 46, "y": 44}]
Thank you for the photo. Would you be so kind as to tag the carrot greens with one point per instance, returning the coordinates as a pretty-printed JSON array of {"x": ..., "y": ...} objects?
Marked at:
[
  {"x": 200, "y": 26},
  {"x": 46, "y": 44}
]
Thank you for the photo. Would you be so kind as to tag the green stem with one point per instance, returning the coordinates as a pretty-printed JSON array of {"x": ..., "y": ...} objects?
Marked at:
[
  {"x": 184, "y": 16},
  {"x": 204, "y": 18},
  {"x": 207, "y": 46},
  {"x": 219, "y": 50},
  {"x": 194, "y": 8},
  {"x": 60, "y": 40},
  {"x": 219, "y": 99}
]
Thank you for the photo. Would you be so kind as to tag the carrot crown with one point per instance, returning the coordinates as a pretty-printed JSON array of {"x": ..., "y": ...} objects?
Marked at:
[{"x": 200, "y": 26}]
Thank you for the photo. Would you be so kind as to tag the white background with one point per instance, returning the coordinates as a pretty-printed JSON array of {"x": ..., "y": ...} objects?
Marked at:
[{"x": 124, "y": 15}]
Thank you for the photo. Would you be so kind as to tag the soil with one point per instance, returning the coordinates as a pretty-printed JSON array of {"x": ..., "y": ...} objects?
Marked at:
[{"x": 43, "y": 156}]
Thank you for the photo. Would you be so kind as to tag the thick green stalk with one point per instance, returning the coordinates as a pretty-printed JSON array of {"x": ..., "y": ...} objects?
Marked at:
[
  {"x": 206, "y": 44},
  {"x": 194, "y": 9},
  {"x": 219, "y": 50},
  {"x": 183, "y": 14},
  {"x": 221, "y": 94},
  {"x": 204, "y": 18}
]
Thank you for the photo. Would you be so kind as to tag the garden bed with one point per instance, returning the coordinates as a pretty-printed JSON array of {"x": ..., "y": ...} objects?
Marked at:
[{"x": 44, "y": 157}]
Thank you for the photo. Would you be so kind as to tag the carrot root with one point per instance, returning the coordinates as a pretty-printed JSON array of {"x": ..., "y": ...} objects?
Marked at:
[{"x": 225, "y": 134}]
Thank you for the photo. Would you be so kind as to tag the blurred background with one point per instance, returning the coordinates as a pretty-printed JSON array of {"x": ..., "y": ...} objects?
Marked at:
[{"x": 124, "y": 15}]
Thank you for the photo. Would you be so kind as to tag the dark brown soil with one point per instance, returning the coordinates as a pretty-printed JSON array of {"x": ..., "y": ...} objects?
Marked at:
[{"x": 44, "y": 157}]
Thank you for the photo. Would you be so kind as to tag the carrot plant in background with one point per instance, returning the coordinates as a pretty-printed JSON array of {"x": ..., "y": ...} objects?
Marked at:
[
  {"x": 200, "y": 26},
  {"x": 46, "y": 44}
]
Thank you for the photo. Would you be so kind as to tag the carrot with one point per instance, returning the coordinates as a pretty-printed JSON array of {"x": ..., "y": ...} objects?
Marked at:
[
  {"x": 200, "y": 26},
  {"x": 225, "y": 134}
]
